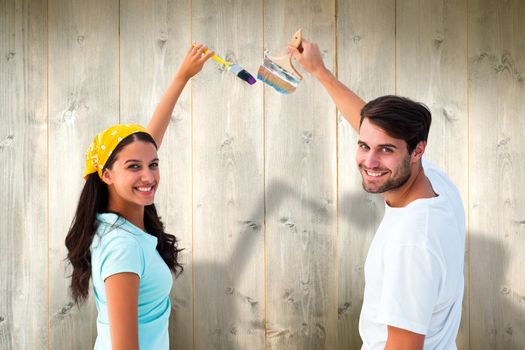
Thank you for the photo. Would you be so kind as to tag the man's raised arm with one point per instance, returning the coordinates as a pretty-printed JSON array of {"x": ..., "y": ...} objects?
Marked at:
[{"x": 345, "y": 99}]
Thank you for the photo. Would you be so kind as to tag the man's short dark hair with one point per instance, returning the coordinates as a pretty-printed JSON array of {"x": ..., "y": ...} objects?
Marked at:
[{"x": 399, "y": 117}]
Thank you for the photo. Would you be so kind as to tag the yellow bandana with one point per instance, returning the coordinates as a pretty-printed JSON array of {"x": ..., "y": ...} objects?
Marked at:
[{"x": 103, "y": 145}]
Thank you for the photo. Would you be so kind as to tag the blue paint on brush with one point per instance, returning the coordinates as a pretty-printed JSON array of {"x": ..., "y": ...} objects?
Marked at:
[
  {"x": 274, "y": 85},
  {"x": 277, "y": 77},
  {"x": 275, "y": 80},
  {"x": 280, "y": 72}
]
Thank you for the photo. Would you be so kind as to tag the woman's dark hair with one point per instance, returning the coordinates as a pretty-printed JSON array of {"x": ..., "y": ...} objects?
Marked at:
[
  {"x": 400, "y": 118},
  {"x": 93, "y": 200}
]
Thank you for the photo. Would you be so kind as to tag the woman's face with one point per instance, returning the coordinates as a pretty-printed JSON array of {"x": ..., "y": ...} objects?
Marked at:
[{"x": 134, "y": 176}]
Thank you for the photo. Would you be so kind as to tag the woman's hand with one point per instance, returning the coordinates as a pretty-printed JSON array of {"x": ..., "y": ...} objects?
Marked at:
[
  {"x": 191, "y": 65},
  {"x": 193, "y": 62}
]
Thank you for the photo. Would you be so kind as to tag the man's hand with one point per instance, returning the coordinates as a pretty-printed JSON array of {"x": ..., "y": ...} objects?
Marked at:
[{"x": 309, "y": 58}]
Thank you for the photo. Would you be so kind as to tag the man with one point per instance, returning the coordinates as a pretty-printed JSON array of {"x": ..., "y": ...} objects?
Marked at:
[{"x": 414, "y": 268}]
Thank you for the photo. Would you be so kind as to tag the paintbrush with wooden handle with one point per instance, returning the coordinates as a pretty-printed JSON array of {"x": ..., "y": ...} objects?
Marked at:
[{"x": 279, "y": 72}]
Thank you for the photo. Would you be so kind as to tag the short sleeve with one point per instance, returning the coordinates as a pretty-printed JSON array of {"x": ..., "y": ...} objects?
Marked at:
[
  {"x": 121, "y": 253},
  {"x": 412, "y": 276}
]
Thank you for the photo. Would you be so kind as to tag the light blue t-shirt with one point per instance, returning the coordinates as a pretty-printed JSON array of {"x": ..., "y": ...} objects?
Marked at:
[{"x": 119, "y": 246}]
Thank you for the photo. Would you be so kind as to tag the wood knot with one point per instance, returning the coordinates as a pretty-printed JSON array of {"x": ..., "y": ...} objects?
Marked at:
[
  {"x": 503, "y": 142},
  {"x": 449, "y": 115},
  {"x": 66, "y": 309},
  {"x": 321, "y": 331},
  {"x": 343, "y": 309},
  {"x": 8, "y": 142},
  {"x": 251, "y": 301},
  {"x": 252, "y": 225},
  {"x": 288, "y": 295},
  {"x": 227, "y": 141},
  {"x": 230, "y": 57},
  {"x": 438, "y": 40},
  {"x": 307, "y": 137},
  {"x": 163, "y": 38}
]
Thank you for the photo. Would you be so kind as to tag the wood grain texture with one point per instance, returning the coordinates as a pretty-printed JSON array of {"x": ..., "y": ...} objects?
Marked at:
[
  {"x": 83, "y": 100},
  {"x": 23, "y": 151},
  {"x": 431, "y": 47},
  {"x": 228, "y": 180},
  {"x": 301, "y": 230},
  {"x": 154, "y": 37},
  {"x": 243, "y": 165},
  {"x": 497, "y": 210},
  {"x": 366, "y": 62},
  {"x": 431, "y": 68}
]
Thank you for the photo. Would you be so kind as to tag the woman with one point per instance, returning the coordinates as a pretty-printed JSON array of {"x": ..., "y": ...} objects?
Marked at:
[{"x": 117, "y": 238}]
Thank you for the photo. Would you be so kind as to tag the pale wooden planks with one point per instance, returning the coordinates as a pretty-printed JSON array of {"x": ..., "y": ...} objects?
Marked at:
[
  {"x": 83, "y": 100},
  {"x": 497, "y": 209},
  {"x": 301, "y": 192},
  {"x": 154, "y": 37},
  {"x": 23, "y": 151},
  {"x": 83, "y": 90},
  {"x": 366, "y": 62},
  {"x": 431, "y": 44},
  {"x": 228, "y": 184},
  {"x": 431, "y": 68}
]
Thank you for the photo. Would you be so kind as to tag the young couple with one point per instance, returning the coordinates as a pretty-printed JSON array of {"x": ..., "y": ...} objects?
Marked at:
[{"x": 413, "y": 271}]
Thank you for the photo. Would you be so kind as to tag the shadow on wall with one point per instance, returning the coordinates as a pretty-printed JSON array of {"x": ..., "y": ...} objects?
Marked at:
[
  {"x": 237, "y": 316},
  {"x": 497, "y": 310}
]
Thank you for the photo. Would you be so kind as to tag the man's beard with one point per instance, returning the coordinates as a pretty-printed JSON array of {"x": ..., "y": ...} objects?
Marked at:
[{"x": 402, "y": 176}]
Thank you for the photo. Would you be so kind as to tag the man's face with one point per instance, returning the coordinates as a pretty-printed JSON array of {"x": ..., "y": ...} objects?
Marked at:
[{"x": 383, "y": 161}]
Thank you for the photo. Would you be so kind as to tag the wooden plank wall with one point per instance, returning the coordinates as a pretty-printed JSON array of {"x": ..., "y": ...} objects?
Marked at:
[
  {"x": 261, "y": 189},
  {"x": 301, "y": 228},
  {"x": 23, "y": 152},
  {"x": 228, "y": 181},
  {"x": 153, "y": 41},
  {"x": 83, "y": 99},
  {"x": 497, "y": 210},
  {"x": 366, "y": 63},
  {"x": 431, "y": 45}
]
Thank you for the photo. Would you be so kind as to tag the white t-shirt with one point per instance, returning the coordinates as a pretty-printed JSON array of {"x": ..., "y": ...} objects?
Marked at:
[{"x": 414, "y": 269}]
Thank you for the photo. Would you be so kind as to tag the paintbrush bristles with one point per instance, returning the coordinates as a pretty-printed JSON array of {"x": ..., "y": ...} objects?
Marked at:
[
  {"x": 241, "y": 73},
  {"x": 274, "y": 81},
  {"x": 279, "y": 72},
  {"x": 277, "y": 77}
]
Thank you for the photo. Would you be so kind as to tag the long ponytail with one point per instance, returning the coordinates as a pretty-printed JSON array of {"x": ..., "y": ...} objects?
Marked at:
[{"x": 93, "y": 200}]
